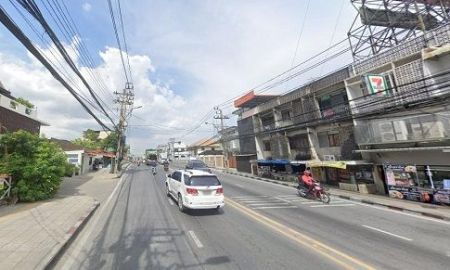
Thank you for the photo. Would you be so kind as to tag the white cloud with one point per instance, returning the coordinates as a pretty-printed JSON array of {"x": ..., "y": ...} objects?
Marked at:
[
  {"x": 206, "y": 51},
  {"x": 67, "y": 119},
  {"x": 86, "y": 7}
]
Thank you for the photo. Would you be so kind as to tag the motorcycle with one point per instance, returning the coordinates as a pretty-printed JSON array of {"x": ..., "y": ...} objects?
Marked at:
[
  {"x": 317, "y": 193},
  {"x": 154, "y": 170}
]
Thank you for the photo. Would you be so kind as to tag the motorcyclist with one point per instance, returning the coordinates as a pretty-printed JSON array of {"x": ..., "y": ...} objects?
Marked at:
[{"x": 308, "y": 180}]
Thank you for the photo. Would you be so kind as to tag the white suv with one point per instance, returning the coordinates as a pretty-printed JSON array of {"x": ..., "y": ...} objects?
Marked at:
[{"x": 195, "y": 189}]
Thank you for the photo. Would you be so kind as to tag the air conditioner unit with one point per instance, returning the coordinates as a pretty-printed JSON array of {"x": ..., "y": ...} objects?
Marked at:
[{"x": 329, "y": 157}]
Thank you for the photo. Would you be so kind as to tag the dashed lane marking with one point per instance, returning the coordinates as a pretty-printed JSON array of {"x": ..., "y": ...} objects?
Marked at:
[
  {"x": 275, "y": 207},
  {"x": 264, "y": 204},
  {"x": 332, "y": 205},
  {"x": 346, "y": 261},
  {"x": 388, "y": 233},
  {"x": 195, "y": 239}
]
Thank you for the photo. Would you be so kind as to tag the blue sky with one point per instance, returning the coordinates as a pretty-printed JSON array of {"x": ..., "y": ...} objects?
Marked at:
[{"x": 187, "y": 55}]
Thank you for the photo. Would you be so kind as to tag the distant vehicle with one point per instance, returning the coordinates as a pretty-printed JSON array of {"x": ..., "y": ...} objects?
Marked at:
[
  {"x": 151, "y": 163},
  {"x": 197, "y": 165},
  {"x": 194, "y": 189}
]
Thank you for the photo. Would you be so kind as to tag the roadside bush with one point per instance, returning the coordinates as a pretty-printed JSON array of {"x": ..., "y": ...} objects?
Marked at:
[
  {"x": 69, "y": 169},
  {"x": 36, "y": 165}
]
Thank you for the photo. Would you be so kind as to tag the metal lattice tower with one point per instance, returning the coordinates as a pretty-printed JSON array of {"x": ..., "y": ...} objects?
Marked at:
[{"x": 386, "y": 23}]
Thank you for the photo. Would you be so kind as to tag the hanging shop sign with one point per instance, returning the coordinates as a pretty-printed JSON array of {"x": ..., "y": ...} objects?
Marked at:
[{"x": 376, "y": 84}]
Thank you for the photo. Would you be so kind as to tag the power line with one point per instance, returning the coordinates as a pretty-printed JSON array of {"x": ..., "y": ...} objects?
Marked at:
[
  {"x": 61, "y": 67},
  {"x": 286, "y": 71},
  {"x": 346, "y": 115},
  {"x": 17, "y": 32},
  {"x": 34, "y": 10},
  {"x": 113, "y": 20},
  {"x": 67, "y": 31},
  {"x": 124, "y": 38}
]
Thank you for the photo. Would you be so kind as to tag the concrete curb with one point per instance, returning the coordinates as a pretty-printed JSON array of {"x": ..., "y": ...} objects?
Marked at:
[
  {"x": 69, "y": 237},
  {"x": 124, "y": 168},
  {"x": 365, "y": 201}
]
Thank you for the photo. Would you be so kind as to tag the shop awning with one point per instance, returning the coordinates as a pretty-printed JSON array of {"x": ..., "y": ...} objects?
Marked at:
[
  {"x": 268, "y": 162},
  {"x": 337, "y": 164}
]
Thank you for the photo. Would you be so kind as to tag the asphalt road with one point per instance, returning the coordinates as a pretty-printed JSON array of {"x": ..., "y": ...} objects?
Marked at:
[{"x": 263, "y": 226}]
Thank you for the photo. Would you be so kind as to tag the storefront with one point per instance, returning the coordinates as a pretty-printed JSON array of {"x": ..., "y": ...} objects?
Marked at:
[
  {"x": 424, "y": 183},
  {"x": 348, "y": 175}
]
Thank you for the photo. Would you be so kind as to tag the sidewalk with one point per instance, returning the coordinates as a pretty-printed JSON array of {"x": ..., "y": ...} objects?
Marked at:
[
  {"x": 32, "y": 235},
  {"x": 424, "y": 209}
]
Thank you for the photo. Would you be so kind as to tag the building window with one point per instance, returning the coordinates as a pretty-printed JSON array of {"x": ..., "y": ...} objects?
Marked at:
[
  {"x": 333, "y": 140},
  {"x": 328, "y": 140},
  {"x": 299, "y": 142},
  {"x": 267, "y": 146},
  {"x": 73, "y": 160},
  {"x": 335, "y": 104},
  {"x": 286, "y": 115}
]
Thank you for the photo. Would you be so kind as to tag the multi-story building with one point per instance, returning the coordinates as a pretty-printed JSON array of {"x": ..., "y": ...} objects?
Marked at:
[
  {"x": 399, "y": 102},
  {"x": 380, "y": 124},
  {"x": 15, "y": 116},
  {"x": 245, "y": 128}
]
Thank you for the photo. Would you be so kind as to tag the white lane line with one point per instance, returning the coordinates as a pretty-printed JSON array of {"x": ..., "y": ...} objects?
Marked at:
[
  {"x": 332, "y": 205},
  {"x": 355, "y": 202},
  {"x": 274, "y": 207},
  {"x": 311, "y": 203},
  {"x": 195, "y": 239},
  {"x": 262, "y": 204},
  {"x": 298, "y": 200},
  {"x": 402, "y": 213},
  {"x": 265, "y": 200},
  {"x": 388, "y": 233},
  {"x": 170, "y": 201},
  {"x": 248, "y": 197}
]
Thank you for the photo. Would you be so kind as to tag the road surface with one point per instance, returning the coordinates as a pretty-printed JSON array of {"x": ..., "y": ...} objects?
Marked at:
[{"x": 263, "y": 226}]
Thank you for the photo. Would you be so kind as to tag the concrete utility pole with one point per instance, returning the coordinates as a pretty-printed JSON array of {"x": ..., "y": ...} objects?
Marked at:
[
  {"x": 219, "y": 115},
  {"x": 126, "y": 100}
]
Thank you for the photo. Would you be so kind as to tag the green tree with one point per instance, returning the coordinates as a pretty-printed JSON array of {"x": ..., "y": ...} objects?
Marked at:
[
  {"x": 25, "y": 102},
  {"x": 87, "y": 143},
  {"x": 35, "y": 164},
  {"x": 91, "y": 135},
  {"x": 110, "y": 142}
]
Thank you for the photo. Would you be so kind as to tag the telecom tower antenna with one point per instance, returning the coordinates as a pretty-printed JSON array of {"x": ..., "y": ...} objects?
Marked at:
[{"x": 386, "y": 23}]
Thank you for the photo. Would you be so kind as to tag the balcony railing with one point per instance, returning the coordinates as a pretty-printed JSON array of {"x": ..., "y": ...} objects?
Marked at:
[
  {"x": 17, "y": 107},
  {"x": 407, "y": 129}
]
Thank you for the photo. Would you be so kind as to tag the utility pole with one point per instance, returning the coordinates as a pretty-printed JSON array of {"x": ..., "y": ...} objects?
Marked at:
[
  {"x": 219, "y": 115},
  {"x": 125, "y": 99}
]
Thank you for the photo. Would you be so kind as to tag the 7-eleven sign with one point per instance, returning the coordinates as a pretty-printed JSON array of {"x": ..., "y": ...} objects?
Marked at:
[{"x": 377, "y": 84}]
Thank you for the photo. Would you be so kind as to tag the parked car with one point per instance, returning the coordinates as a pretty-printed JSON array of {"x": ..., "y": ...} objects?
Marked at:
[
  {"x": 195, "y": 189},
  {"x": 197, "y": 165}
]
